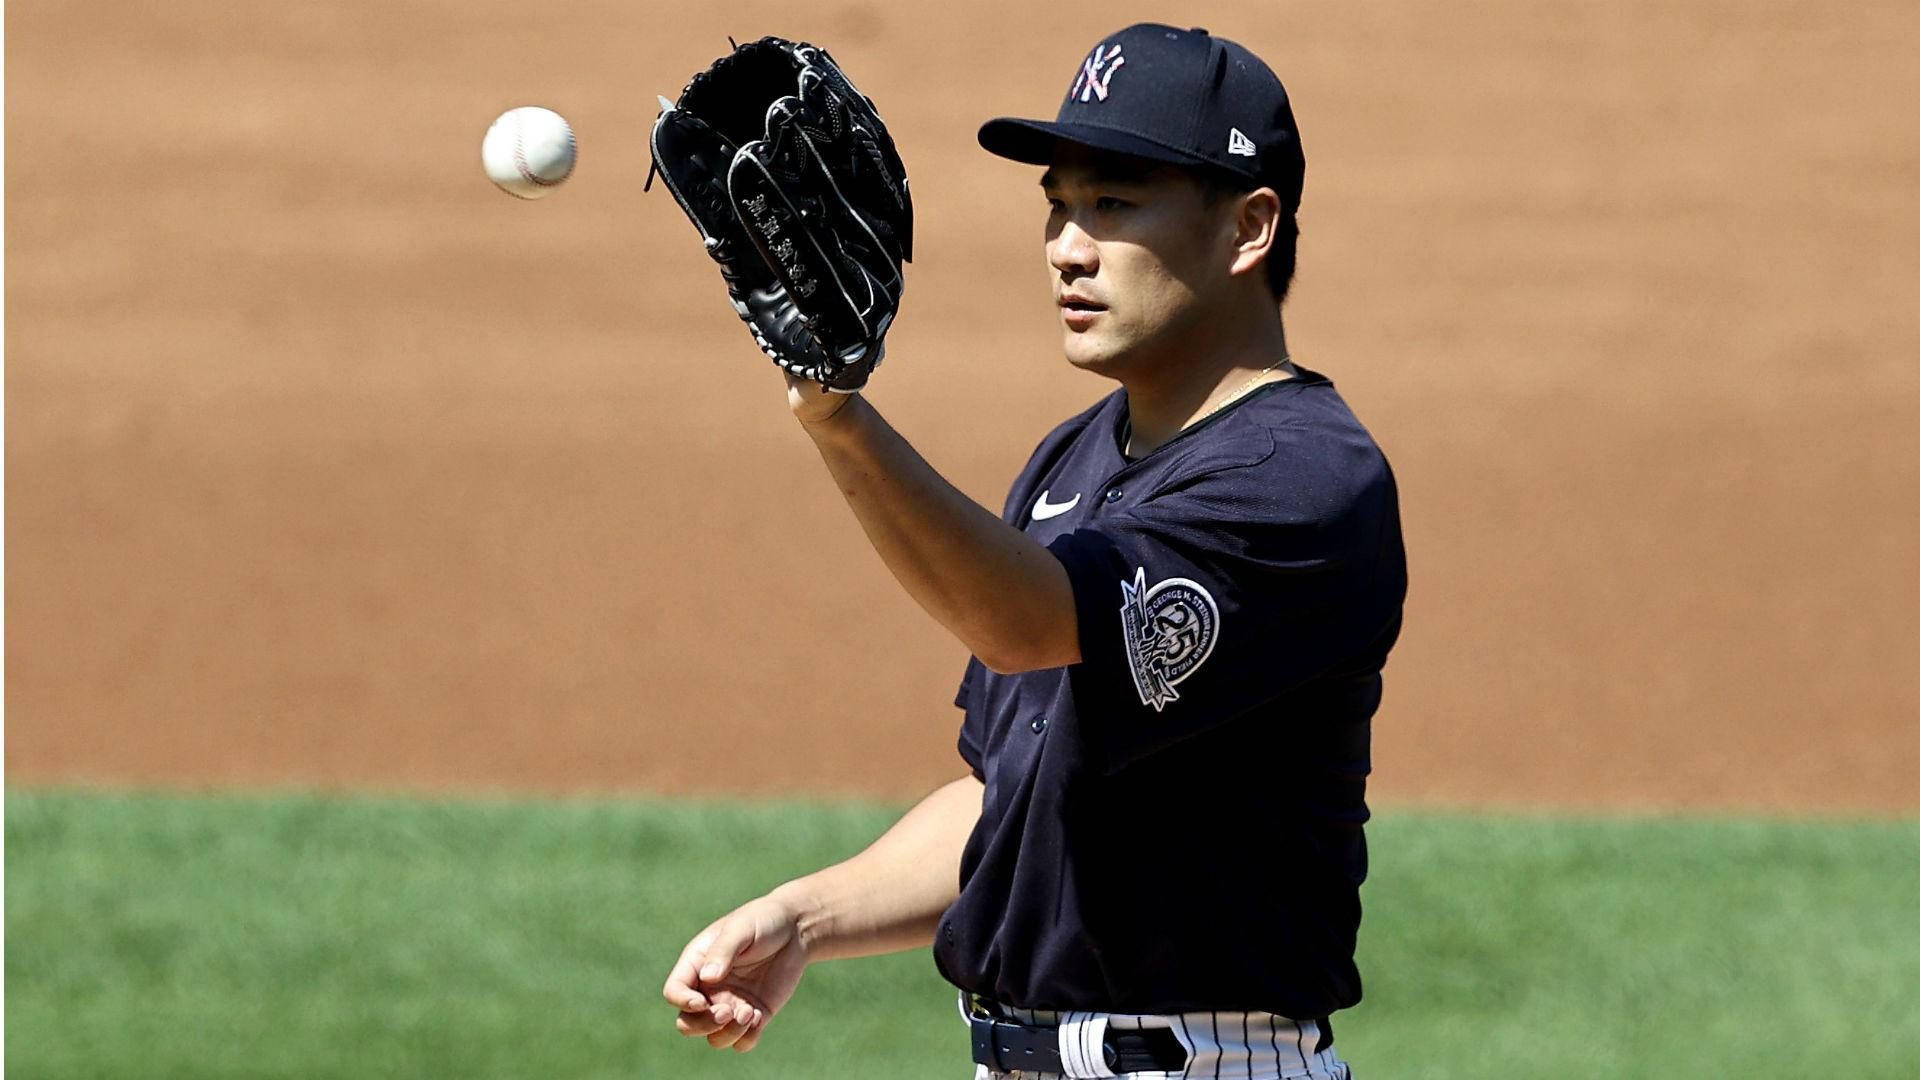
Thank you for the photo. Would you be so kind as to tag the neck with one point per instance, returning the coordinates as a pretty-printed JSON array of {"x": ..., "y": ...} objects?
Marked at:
[{"x": 1179, "y": 394}]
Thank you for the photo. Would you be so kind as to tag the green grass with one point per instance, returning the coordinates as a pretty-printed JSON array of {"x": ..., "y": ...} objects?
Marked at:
[
  {"x": 1640, "y": 948},
  {"x": 159, "y": 936}
]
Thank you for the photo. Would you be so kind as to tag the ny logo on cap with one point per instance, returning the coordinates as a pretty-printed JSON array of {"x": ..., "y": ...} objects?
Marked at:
[{"x": 1096, "y": 71}]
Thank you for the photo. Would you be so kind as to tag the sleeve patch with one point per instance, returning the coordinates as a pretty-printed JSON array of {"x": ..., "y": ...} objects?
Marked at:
[{"x": 1170, "y": 629}]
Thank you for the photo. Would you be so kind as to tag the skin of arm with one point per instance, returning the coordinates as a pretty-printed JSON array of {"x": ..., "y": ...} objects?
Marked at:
[
  {"x": 1000, "y": 592},
  {"x": 890, "y": 897},
  {"x": 737, "y": 973}
]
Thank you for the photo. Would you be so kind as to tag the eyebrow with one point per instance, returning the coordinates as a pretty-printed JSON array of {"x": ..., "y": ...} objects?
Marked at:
[{"x": 1104, "y": 174}]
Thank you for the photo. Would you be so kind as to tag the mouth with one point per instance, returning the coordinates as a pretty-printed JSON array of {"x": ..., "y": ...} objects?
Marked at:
[{"x": 1078, "y": 312}]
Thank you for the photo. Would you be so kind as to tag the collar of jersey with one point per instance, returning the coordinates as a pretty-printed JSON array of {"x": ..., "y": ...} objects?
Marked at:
[{"x": 1124, "y": 430}]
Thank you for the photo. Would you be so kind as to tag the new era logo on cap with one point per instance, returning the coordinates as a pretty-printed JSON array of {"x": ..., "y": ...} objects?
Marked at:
[{"x": 1238, "y": 143}]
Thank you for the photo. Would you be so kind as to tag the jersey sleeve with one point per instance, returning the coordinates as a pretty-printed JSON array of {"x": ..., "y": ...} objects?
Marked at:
[
  {"x": 1230, "y": 589},
  {"x": 973, "y": 741}
]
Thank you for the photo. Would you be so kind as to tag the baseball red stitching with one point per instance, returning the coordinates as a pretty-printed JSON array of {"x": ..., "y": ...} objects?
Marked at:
[{"x": 520, "y": 158}]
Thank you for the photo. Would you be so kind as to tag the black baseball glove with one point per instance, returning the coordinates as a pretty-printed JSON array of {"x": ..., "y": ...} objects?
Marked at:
[{"x": 795, "y": 186}]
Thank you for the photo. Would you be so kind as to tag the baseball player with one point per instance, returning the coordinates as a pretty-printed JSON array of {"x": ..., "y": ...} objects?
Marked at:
[{"x": 1178, "y": 624}]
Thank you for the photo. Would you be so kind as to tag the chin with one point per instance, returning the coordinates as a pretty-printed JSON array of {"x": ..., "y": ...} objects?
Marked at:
[{"x": 1090, "y": 353}]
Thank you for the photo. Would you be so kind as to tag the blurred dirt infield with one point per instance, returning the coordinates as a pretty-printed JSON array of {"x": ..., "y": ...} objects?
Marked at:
[{"x": 327, "y": 463}]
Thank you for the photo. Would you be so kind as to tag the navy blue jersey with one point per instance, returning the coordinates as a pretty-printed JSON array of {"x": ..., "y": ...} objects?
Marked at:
[{"x": 1175, "y": 822}]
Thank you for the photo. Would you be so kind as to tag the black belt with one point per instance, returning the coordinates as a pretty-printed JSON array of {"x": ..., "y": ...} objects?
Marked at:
[{"x": 1003, "y": 1047}]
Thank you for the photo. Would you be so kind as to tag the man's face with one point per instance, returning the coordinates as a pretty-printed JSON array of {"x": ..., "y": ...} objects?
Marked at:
[{"x": 1135, "y": 255}]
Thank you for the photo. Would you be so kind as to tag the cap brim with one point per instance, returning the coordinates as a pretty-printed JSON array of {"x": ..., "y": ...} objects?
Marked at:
[{"x": 1033, "y": 141}]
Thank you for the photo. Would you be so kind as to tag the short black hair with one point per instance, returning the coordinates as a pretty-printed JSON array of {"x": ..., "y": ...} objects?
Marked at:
[{"x": 1285, "y": 253}]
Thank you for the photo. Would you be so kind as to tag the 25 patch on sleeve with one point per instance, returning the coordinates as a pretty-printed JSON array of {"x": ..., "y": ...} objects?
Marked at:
[{"x": 1170, "y": 630}]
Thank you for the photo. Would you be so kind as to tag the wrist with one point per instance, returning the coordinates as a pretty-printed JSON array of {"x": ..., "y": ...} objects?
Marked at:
[
  {"x": 814, "y": 405},
  {"x": 827, "y": 414},
  {"x": 811, "y": 920}
]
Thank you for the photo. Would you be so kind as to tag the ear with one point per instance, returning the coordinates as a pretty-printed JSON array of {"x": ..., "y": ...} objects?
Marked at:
[{"x": 1255, "y": 223}]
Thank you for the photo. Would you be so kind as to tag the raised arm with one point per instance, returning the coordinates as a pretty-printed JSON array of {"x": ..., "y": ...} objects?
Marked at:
[
  {"x": 738, "y": 972},
  {"x": 999, "y": 591}
]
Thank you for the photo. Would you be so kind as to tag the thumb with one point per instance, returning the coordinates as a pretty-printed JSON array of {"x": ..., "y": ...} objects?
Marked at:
[{"x": 734, "y": 937}]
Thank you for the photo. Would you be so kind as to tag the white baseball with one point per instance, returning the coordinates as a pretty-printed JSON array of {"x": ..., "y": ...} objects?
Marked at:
[{"x": 528, "y": 151}]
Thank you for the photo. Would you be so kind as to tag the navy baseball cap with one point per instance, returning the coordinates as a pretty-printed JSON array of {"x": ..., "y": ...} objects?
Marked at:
[{"x": 1183, "y": 97}]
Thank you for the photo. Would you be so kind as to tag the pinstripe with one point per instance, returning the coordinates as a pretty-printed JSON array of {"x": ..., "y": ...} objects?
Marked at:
[
  {"x": 1273, "y": 1036},
  {"x": 1082, "y": 1051},
  {"x": 1182, "y": 1021},
  {"x": 1246, "y": 1040},
  {"x": 1213, "y": 1021}
]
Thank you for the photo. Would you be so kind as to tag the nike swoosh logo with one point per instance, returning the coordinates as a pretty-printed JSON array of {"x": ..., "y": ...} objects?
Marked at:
[{"x": 1042, "y": 509}]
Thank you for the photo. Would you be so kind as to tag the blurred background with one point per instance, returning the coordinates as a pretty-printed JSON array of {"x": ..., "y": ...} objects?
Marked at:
[
  {"x": 330, "y": 467},
  {"x": 328, "y": 463}
]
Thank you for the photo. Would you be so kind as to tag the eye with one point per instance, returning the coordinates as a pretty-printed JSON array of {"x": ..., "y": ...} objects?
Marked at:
[
  {"x": 1055, "y": 205},
  {"x": 1107, "y": 202}
]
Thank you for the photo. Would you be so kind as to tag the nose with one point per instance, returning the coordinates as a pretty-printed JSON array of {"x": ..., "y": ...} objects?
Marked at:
[{"x": 1072, "y": 251}]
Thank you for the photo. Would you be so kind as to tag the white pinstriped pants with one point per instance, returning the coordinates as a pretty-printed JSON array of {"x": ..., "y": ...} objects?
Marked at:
[{"x": 1220, "y": 1046}]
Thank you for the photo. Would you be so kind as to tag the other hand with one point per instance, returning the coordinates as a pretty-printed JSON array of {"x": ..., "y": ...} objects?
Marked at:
[{"x": 736, "y": 974}]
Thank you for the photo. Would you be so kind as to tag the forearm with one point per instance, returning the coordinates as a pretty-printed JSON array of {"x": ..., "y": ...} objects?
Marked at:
[
  {"x": 889, "y": 897},
  {"x": 995, "y": 588}
]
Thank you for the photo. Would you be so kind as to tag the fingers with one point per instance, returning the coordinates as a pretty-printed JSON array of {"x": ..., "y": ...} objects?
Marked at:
[
  {"x": 696, "y": 987},
  {"x": 734, "y": 1033},
  {"x": 751, "y": 1039},
  {"x": 725, "y": 1025},
  {"x": 729, "y": 1008},
  {"x": 680, "y": 989},
  {"x": 696, "y": 1023}
]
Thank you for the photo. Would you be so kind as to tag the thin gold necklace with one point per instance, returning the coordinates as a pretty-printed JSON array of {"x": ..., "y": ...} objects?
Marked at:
[{"x": 1285, "y": 361}]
